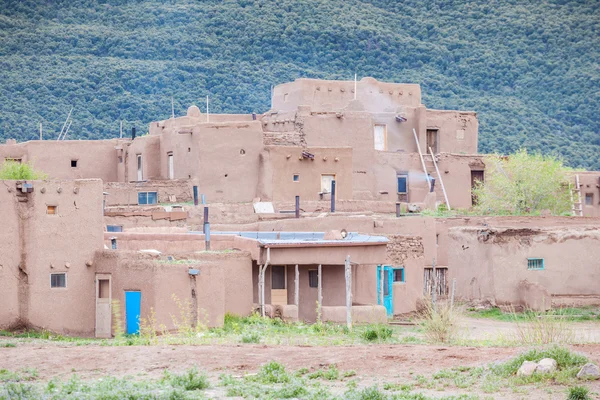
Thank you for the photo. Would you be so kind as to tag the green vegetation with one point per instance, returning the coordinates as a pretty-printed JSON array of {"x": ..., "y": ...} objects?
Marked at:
[
  {"x": 568, "y": 313},
  {"x": 528, "y": 69},
  {"x": 439, "y": 322},
  {"x": 524, "y": 183},
  {"x": 16, "y": 171},
  {"x": 578, "y": 393}
]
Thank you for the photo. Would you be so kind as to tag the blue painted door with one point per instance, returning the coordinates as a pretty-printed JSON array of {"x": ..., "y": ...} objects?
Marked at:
[
  {"x": 388, "y": 293},
  {"x": 133, "y": 302}
]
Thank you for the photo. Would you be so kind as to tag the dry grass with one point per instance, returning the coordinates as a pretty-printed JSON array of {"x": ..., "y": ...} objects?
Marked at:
[
  {"x": 440, "y": 321},
  {"x": 538, "y": 328}
]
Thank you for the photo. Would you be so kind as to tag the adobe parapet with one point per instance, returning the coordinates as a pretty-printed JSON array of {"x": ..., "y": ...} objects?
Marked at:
[{"x": 324, "y": 95}]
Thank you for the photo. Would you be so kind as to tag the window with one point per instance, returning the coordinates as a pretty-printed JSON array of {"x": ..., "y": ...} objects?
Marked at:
[
  {"x": 380, "y": 137},
  {"x": 51, "y": 210},
  {"x": 285, "y": 98},
  {"x": 296, "y": 178},
  {"x": 535, "y": 263},
  {"x": 326, "y": 180},
  {"x": 147, "y": 197},
  {"x": 103, "y": 288},
  {"x": 73, "y": 163},
  {"x": 403, "y": 184},
  {"x": 440, "y": 281},
  {"x": 589, "y": 199},
  {"x": 399, "y": 274},
  {"x": 277, "y": 277},
  {"x": 58, "y": 280},
  {"x": 114, "y": 228},
  {"x": 313, "y": 278},
  {"x": 139, "y": 167}
]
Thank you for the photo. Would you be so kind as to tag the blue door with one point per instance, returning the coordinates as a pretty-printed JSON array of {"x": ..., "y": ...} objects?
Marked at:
[
  {"x": 388, "y": 293},
  {"x": 133, "y": 302}
]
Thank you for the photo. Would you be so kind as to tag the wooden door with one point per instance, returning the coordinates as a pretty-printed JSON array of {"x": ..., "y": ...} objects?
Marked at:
[
  {"x": 103, "y": 306},
  {"x": 432, "y": 141}
]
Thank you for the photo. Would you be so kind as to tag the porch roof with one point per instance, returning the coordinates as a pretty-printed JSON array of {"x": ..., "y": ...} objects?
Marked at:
[{"x": 308, "y": 239}]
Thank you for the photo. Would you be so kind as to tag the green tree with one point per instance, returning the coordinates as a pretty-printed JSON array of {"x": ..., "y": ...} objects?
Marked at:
[
  {"x": 524, "y": 183},
  {"x": 12, "y": 170}
]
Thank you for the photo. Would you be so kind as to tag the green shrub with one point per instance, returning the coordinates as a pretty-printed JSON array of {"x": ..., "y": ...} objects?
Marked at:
[
  {"x": 12, "y": 170},
  {"x": 250, "y": 337},
  {"x": 578, "y": 393},
  {"x": 377, "y": 332},
  {"x": 565, "y": 359},
  {"x": 273, "y": 372},
  {"x": 189, "y": 380}
]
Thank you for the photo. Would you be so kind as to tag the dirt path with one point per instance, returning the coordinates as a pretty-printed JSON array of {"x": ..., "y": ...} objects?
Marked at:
[{"x": 381, "y": 361}]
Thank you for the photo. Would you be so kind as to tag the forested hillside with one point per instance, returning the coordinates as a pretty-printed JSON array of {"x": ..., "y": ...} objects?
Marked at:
[{"x": 529, "y": 68}]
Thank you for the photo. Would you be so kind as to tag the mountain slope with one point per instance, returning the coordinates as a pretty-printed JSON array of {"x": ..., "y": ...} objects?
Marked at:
[{"x": 530, "y": 69}]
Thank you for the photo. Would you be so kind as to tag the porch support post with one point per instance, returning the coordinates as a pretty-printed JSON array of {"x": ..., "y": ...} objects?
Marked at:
[
  {"x": 348, "y": 276},
  {"x": 297, "y": 287},
  {"x": 320, "y": 293}
]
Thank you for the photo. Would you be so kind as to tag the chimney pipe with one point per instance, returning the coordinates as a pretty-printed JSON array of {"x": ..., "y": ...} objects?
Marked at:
[{"x": 133, "y": 133}]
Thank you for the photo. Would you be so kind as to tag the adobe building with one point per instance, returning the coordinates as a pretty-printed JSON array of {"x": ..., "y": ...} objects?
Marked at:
[{"x": 124, "y": 227}]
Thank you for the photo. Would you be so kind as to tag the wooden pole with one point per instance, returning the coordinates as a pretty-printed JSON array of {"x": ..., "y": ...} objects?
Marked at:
[
  {"x": 41, "y": 136},
  {"x": 348, "y": 276},
  {"x": 320, "y": 292},
  {"x": 434, "y": 283},
  {"x": 207, "y": 109},
  {"x": 172, "y": 108},
  {"x": 297, "y": 288},
  {"x": 354, "y": 86}
]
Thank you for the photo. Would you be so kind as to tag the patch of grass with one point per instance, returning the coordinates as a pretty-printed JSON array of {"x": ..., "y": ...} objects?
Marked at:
[
  {"x": 8, "y": 345},
  {"x": 572, "y": 314},
  {"x": 24, "y": 375},
  {"x": 578, "y": 393},
  {"x": 273, "y": 372},
  {"x": 377, "y": 332},
  {"x": 565, "y": 359},
  {"x": 250, "y": 337},
  {"x": 189, "y": 380},
  {"x": 439, "y": 322},
  {"x": 330, "y": 374}
]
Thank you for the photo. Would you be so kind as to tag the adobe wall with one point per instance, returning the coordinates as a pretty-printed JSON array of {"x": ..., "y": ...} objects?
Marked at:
[
  {"x": 287, "y": 161},
  {"x": 223, "y": 285},
  {"x": 490, "y": 263},
  {"x": 121, "y": 193},
  {"x": 457, "y": 131},
  {"x": 11, "y": 248},
  {"x": 590, "y": 184},
  {"x": 42, "y": 244},
  {"x": 149, "y": 148},
  {"x": 95, "y": 158},
  {"x": 406, "y": 251},
  {"x": 323, "y": 95}
]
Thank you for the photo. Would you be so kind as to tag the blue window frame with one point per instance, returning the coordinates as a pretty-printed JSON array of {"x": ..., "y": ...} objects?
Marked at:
[
  {"x": 535, "y": 263},
  {"x": 402, "y": 183},
  {"x": 399, "y": 274},
  {"x": 114, "y": 228},
  {"x": 147, "y": 197}
]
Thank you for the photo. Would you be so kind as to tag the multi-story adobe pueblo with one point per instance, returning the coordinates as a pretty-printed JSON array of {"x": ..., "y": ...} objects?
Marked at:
[{"x": 306, "y": 209}]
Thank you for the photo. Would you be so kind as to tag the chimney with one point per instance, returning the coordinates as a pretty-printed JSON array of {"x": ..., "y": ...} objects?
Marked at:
[{"x": 133, "y": 133}]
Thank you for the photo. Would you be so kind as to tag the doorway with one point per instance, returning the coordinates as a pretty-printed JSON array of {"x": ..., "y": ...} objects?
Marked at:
[
  {"x": 432, "y": 141},
  {"x": 133, "y": 303},
  {"x": 103, "y": 306},
  {"x": 140, "y": 176},
  {"x": 278, "y": 285},
  {"x": 476, "y": 179},
  {"x": 388, "y": 293},
  {"x": 171, "y": 170},
  {"x": 380, "y": 137},
  {"x": 326, "y": 180}
]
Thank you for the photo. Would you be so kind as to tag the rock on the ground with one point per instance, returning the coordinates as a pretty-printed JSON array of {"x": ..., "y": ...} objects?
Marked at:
[
  {"x": 527, "y": 369},
  {"x": 546, "y": 366},
  {"x": 589, "y": 371}
]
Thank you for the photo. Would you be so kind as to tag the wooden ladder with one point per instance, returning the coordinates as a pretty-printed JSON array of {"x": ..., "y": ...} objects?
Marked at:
[
  {"x": 437, "y": 171},
  {"x": 577, "y": 206}
]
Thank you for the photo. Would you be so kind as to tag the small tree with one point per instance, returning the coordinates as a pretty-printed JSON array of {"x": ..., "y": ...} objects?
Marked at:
[
  {"x": 524, "y": 183},
  {"x": 12, "y": 170}
]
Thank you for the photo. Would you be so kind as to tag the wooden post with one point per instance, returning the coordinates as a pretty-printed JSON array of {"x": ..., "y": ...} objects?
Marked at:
[
  {"x": 433, "y": 283},
  {"x": 348, "y": 276},
  {"x": 320, "y": 292},
  {"x": 452, "y": 297},
  {"x": 297, "y": 288}
]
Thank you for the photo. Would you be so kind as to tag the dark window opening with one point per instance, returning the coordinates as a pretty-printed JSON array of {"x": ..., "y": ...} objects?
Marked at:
[
  {"x": 398, "y": 274},
  {"x": 535, "y": 263},
  {"x": 114, "y": 228},
  {"x": 51, "y": 210},
  {"x": 103, "y": 289},
  {"x": 58, "y": 280},
  {"x": 432, "y": 141},
  {"x": 589, "y": 199},
  {"x": 402, "y": 184},
  {"x": 296, "y": 178},
  {"x": 313, "y": 278},
  {"x": 73, "y": 163},
  {"x": 277, "y": 277}
]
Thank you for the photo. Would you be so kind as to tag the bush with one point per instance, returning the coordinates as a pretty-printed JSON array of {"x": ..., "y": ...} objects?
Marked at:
[
  {"x": 273, "y": 372},
  {"x": 578, "y": 393},
  {"x": 12, "y": 170},
  {"x": 439, "y": 322},
  {"x": 190, "y": 380},
  {"x": 377, "y": 332},
  {"x": 250, "y": 337}
]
